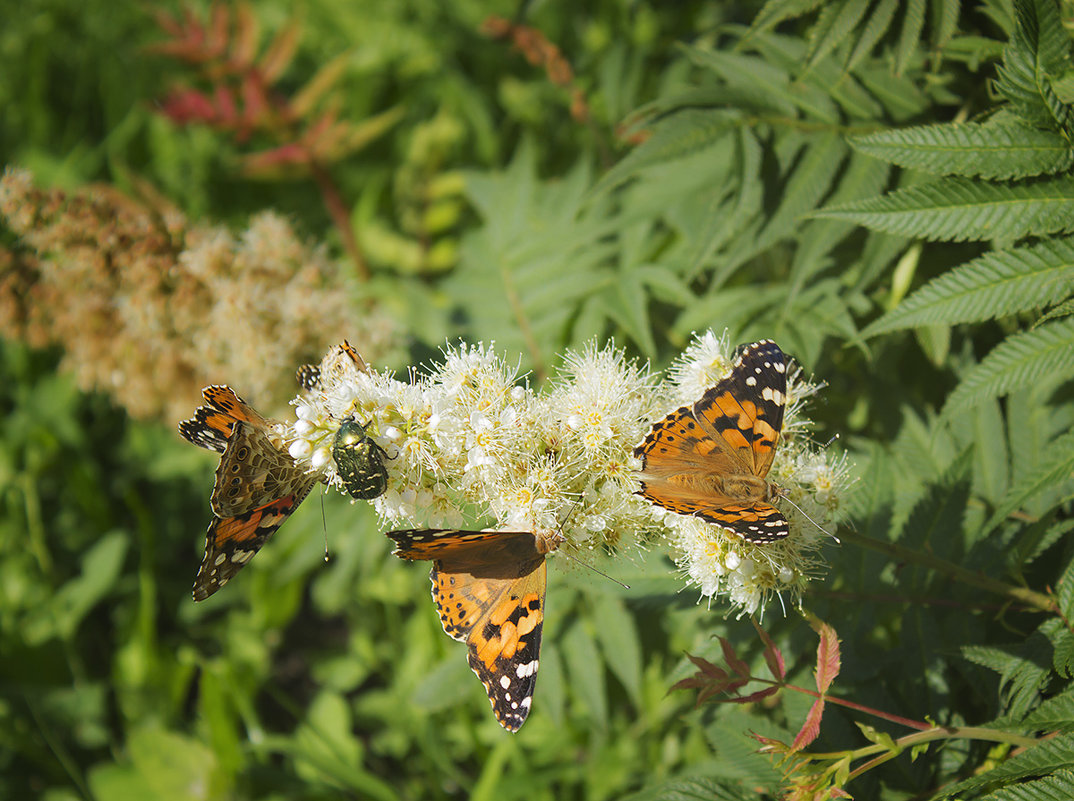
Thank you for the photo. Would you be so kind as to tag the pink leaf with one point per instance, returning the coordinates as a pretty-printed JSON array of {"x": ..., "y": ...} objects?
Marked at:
[
  {"x": 811, "y": 727},
  {"x": 827, "y": 656}
]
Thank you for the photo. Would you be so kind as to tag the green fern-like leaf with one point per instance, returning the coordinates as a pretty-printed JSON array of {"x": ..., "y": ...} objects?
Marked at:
[
  {"x": 1057, "y": 712},
  {"x": 912, "y": 24},
  {"x": 1056, "y": 467},
  {"x": 1064, "y": 309},
  {"x": 1038, "y": 53},
  {"x": 945, "y": 15},
  {"x": 835, "y": 23},
  {"x": 958, "y": 209},
  {"x": 675, "y": 137},
  {"x": 999, "y": 283},
  {"x": 875, "y": 28},
  {"x": 1045, "y": 353},
  {"x": 995, "y": 151},
  {"x": 1055, "y": 754},
  {"x": 1058, "y": 786}
]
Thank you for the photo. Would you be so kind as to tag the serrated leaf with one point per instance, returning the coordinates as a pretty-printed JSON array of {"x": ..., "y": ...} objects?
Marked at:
[
  {"x": 944, "y": 21},
  {"x": 913, "y": 22},
  {"x": 834, "y": 24},
  {"x": 774, "y": 12},
  {"x": 1063, "y": 657},
  {"x": 679, "y": 135},
  {"x": 1041, "y": 354},
  {"x": 827, "y": 656},
  {"x": 1053, "y": 713},
  {"x": 997, "y": 284},
  {"x": 996, "y": 150},
  {"x": 773, "y": 657},
  {"x": 1058, "y": 786},
  {"x": 1039, "y": 50},
  {"x": 698, "y": 789},
  {"x": 877, "y": 25},
  {"x": 1056, "y": 466},
  {"x": 1048, "y": 755},
  {"x": 810, "y": 726},
  {"x": 958, "y": 209}
]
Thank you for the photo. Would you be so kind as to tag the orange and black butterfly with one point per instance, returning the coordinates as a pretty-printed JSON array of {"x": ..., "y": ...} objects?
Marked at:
[
  {"x": 711, "y": 459},
  {"x": 489, "y": 589},
  {"x": 257, "y": 486}
]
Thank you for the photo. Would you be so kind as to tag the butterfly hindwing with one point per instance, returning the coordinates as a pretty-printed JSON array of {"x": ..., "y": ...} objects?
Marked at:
[
  {"x": 710, "y": 459},
  {"x": 253, "y": 472},
  {"x": 489, "y": 589}
]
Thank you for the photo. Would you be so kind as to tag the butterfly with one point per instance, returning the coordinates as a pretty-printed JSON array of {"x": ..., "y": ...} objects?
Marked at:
[
  {"x": 489, "y": 589},
  {"x": 710, "y": 459},
  {"x": 341, "y": 360},
  {"x": 359, "y": 461},
  {"x": 257, "y": 484}
]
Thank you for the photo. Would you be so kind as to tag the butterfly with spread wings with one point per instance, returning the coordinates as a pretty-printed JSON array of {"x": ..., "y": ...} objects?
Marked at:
[
  {"x": 489, "y": 589},
  {"x": 711, "y": 459}
]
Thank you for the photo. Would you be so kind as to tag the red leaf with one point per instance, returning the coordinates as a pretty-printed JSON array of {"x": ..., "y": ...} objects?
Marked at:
[
  {"x": 227, "y": 113},
  {"x": 706, "y": 667},
  {"x": 811, "y": 727},
  {"x": 757, "y": 696},
  {"x": 188, "y": 105},
  {"x": 737, "y": 665},
  {"x": 772, "y": 656}
]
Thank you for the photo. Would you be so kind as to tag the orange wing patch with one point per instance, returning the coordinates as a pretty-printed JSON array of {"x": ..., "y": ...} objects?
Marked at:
[
  {"x": 711, "y": 459},
  {"x": 257, "y": 485},
  {"x": 489, "y": 589}
]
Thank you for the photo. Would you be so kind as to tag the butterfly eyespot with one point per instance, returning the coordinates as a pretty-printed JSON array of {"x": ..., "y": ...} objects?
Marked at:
[{"x": 242, "y": 453}]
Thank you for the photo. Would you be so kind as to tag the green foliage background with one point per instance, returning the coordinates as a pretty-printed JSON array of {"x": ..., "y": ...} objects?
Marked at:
[{"x": 883, "y": 188}]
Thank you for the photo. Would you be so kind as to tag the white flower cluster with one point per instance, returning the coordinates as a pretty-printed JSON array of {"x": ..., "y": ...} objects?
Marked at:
[{"x": 471, "y": 442}]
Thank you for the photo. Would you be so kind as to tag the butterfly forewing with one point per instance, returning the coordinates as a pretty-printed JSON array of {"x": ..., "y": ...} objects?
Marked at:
[
  {"x": 212, "y": 424},
  {"x": 489, "y": 589},
  {"x": 710, "y": 459},
  {"x": 745, "y": 410},
  {"x": 231, "y": 542}
]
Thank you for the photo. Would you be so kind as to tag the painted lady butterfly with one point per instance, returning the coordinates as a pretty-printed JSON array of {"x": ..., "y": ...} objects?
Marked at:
[
  {"x": 257, "y": 486},
  {"x": 360, "y": 461},
  {"x": 342, "y": 359},
  {"x": 710, "y": 459},
  {"x": 489, "y": 588}
]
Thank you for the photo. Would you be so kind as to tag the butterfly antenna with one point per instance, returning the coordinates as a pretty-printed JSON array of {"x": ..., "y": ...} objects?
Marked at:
[
  {"x": 576, "y": 560},
  {"x": 810, "y": 519}
]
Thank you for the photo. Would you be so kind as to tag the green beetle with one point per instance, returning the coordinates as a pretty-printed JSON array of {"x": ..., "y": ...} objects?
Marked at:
[{"x": 360, "y": 461}]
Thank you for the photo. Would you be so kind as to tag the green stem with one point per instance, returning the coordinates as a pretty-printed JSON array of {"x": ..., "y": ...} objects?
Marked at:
[
  {"x": 938, "y": 733},
  {"x": 1036, "y": 600}
]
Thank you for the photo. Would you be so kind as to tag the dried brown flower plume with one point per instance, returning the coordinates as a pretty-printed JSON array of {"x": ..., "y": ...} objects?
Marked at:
[{"x": 150, "y": 307}]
